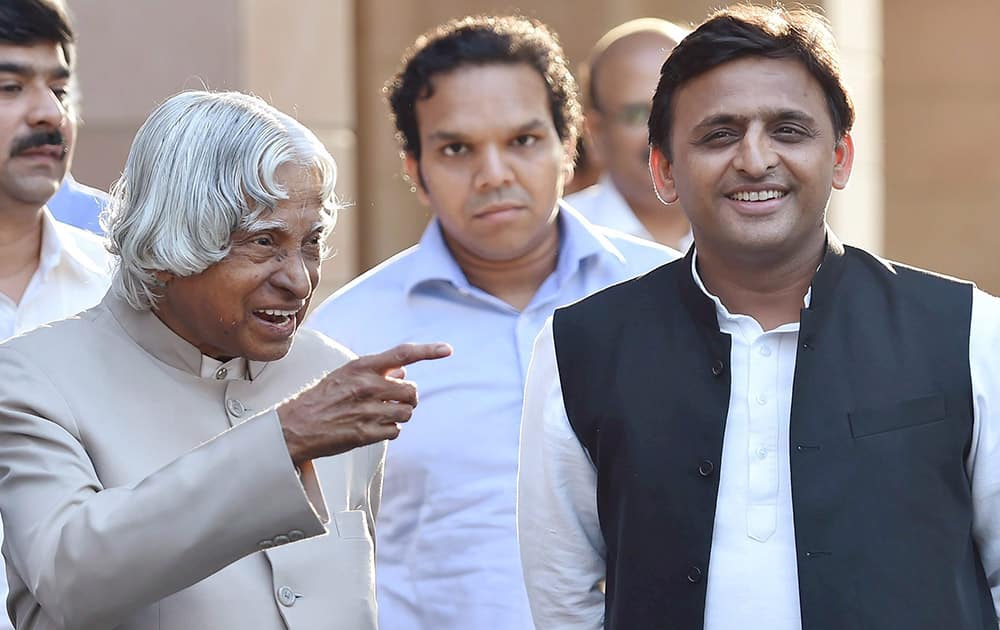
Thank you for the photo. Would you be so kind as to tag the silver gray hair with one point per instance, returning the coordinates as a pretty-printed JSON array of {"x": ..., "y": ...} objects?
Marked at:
[{"x": 202, "y": 167}]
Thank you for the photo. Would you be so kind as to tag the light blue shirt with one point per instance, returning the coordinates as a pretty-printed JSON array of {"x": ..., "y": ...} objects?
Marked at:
[
  {"x": 447, "y": 554},
  {"x": 78, "y": 205}
]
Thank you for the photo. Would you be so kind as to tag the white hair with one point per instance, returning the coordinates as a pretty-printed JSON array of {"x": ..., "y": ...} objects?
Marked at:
[{"x": 201, "y": 167}]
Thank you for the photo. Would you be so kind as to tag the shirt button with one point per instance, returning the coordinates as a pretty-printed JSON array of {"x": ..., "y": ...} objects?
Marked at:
[
  {"x": 221, "y": 373},
  {"x": 761, "y": 399},
  {"x": 694, "y": 575},
  {"x": 235, "y": 407},
  {"x": 765, "y": 351},
  {"x": 286, "y": 596},
  {"x": 762, "y": 453}
]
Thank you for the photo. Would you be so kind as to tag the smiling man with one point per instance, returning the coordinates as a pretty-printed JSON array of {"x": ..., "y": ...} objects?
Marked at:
[
  {"x": 487, "y": 113},
  {"x": 160, "y": 451},
  {"x": 778, "y": 431}
]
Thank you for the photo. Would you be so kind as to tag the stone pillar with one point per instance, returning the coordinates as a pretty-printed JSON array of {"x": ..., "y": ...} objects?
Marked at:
[{"x": 856, "y": 213}]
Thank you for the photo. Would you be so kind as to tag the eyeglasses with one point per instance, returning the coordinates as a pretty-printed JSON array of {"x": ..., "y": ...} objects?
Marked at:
[{"x": 632, "y": 114}]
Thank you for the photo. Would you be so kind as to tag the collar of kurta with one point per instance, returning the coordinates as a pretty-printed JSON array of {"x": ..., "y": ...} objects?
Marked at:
[
  {"x": 153, "y": 336},
  {"x": 704, "y": 310}
]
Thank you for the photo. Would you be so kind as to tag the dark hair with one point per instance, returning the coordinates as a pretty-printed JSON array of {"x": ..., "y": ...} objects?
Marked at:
[
  {"x": 27, "y": 22},
  {"x": 482, "y": 40},
  {"x": 747, "y": 30}
]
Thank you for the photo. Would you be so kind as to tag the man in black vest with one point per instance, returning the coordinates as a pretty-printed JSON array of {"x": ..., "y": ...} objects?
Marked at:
[{"x": 777, "y": 431}]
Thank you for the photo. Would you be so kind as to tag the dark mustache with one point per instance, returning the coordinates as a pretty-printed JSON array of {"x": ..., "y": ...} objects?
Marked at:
[{"x": 38, "y": 139}]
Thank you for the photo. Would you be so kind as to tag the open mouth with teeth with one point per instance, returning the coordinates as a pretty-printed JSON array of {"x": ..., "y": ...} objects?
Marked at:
[
  {"x": 275, "y": 316},
  {"x": 757, "y": 195}
]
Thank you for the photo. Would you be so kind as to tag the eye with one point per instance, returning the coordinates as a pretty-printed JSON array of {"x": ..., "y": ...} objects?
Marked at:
[
  {"x": 262, "y": 240},
  {"x": 719, "y": 136},
  {"x": 455, "y": 148},
  {"x": 791, "y": 133},
  {"x": 10, "y": 88},
  {"x": 62, "y": 93},
  {"x": 313, "y": 246},
  {"x": 525, "y": 140}
]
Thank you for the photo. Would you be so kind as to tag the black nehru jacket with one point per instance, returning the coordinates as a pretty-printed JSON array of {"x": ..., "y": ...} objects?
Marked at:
[{"x": 881, "y": 424}]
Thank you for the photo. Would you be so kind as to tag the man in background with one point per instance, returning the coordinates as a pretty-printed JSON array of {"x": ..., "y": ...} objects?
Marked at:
[
  {"x": 618, "y": 80},
  {"x": 48, "y": 270},
  {"x": 487, "y": 115}
]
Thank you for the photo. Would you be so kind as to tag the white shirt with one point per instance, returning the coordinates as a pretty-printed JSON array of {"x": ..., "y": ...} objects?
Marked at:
[
  {"x": 447, "y": 553},
  {"x": 602, "y": 204},
  {"x": 752, "y": 577},
  {"x": 72, "y": 275}
]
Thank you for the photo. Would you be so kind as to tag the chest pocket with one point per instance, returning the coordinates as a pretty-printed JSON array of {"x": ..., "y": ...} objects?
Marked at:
[{"x": 896, "y": 416}]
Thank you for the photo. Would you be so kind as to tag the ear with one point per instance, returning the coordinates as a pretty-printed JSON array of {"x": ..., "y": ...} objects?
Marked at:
[
  {"x": 411, "y": 166},
  {"x": 843, "y": 161},
  {"x": 593, "y": 132},
  {"x": 662, "y": 172}
]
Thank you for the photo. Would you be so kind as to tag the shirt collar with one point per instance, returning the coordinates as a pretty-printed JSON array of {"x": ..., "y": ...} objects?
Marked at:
[
  {"x": 59, "y": 248},
  {"x": 153, "y": 336},
  {"x": 579, "y": 240},
  {"x": 614, "y": 204},
  {"x": 707, "y": 307}
]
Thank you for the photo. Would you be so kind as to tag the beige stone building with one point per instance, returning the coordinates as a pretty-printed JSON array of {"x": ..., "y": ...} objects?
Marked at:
[{"x": 926, "y": 187}]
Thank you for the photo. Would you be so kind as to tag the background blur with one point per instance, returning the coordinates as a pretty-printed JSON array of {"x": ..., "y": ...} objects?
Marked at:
[{"x": 926, "y": 185}]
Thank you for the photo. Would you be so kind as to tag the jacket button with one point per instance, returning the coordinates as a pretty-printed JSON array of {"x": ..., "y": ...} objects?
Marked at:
[
  {"x": 694, "y": 575},
  {"x": 718, "y": 367},
  {"x": 706, "y": 468},
  {"x": 296, "y": 534},
  {"x": 281, "y": 540},
  {"x": 265, "y": 544},
  {"x": 235, "y": 407},
  {"x": 286, "y": 596}
]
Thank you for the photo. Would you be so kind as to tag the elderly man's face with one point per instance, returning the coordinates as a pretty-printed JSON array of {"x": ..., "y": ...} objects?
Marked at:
[
  {"x": 35, "y": 123},
  {"x": 251, "y": 303}
]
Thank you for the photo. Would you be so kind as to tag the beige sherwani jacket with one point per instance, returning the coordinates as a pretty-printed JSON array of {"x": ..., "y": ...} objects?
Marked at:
[{"x": 138, "y": 495}]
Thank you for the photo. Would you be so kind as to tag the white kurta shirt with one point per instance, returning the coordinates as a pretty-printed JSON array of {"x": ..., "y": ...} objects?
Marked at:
[
  {"x": 72, "y": 275},
  {"x": 447, "y": 554},
  {"x": 752, "y": 577}
]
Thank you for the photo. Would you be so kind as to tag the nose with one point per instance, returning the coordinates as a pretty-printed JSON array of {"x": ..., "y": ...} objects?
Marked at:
[
  {"x": 296, "y": 275},
  {"x": 494, "y": 171},
  {"x": 756, "y": 155},
  {"x": 47, "y": 109}
]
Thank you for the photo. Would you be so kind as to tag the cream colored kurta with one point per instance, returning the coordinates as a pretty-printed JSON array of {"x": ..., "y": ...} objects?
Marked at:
[{"x": 137, "y": 494}]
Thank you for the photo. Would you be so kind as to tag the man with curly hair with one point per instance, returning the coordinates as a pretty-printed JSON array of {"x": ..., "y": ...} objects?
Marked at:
[{"x": 487, "y": 116}]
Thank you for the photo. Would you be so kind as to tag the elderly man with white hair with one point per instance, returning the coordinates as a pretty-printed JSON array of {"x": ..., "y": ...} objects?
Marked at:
[{"x": 159, "y": 452}]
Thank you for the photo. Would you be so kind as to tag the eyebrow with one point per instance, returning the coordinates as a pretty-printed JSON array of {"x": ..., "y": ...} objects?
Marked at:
[
  {"x": 264, "y": 225},
  {"x": 23, "y": 70},
  {"x": 455, "y": 136},
  {"x": 793, "y": 115}
]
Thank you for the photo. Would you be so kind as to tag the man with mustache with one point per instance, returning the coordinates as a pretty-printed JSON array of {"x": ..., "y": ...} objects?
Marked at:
[
  {"x": 618, "y": 80},
  {"x": 486, "y": 113},
  {"x": 48, "y": 270}
]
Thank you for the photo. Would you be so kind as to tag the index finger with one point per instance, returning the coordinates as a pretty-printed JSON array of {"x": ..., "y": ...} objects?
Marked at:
[{"x": 404, "y": 354}]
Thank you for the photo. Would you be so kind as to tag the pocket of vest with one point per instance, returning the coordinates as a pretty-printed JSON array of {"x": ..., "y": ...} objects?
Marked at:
[{"x": 908, "y": 413}]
